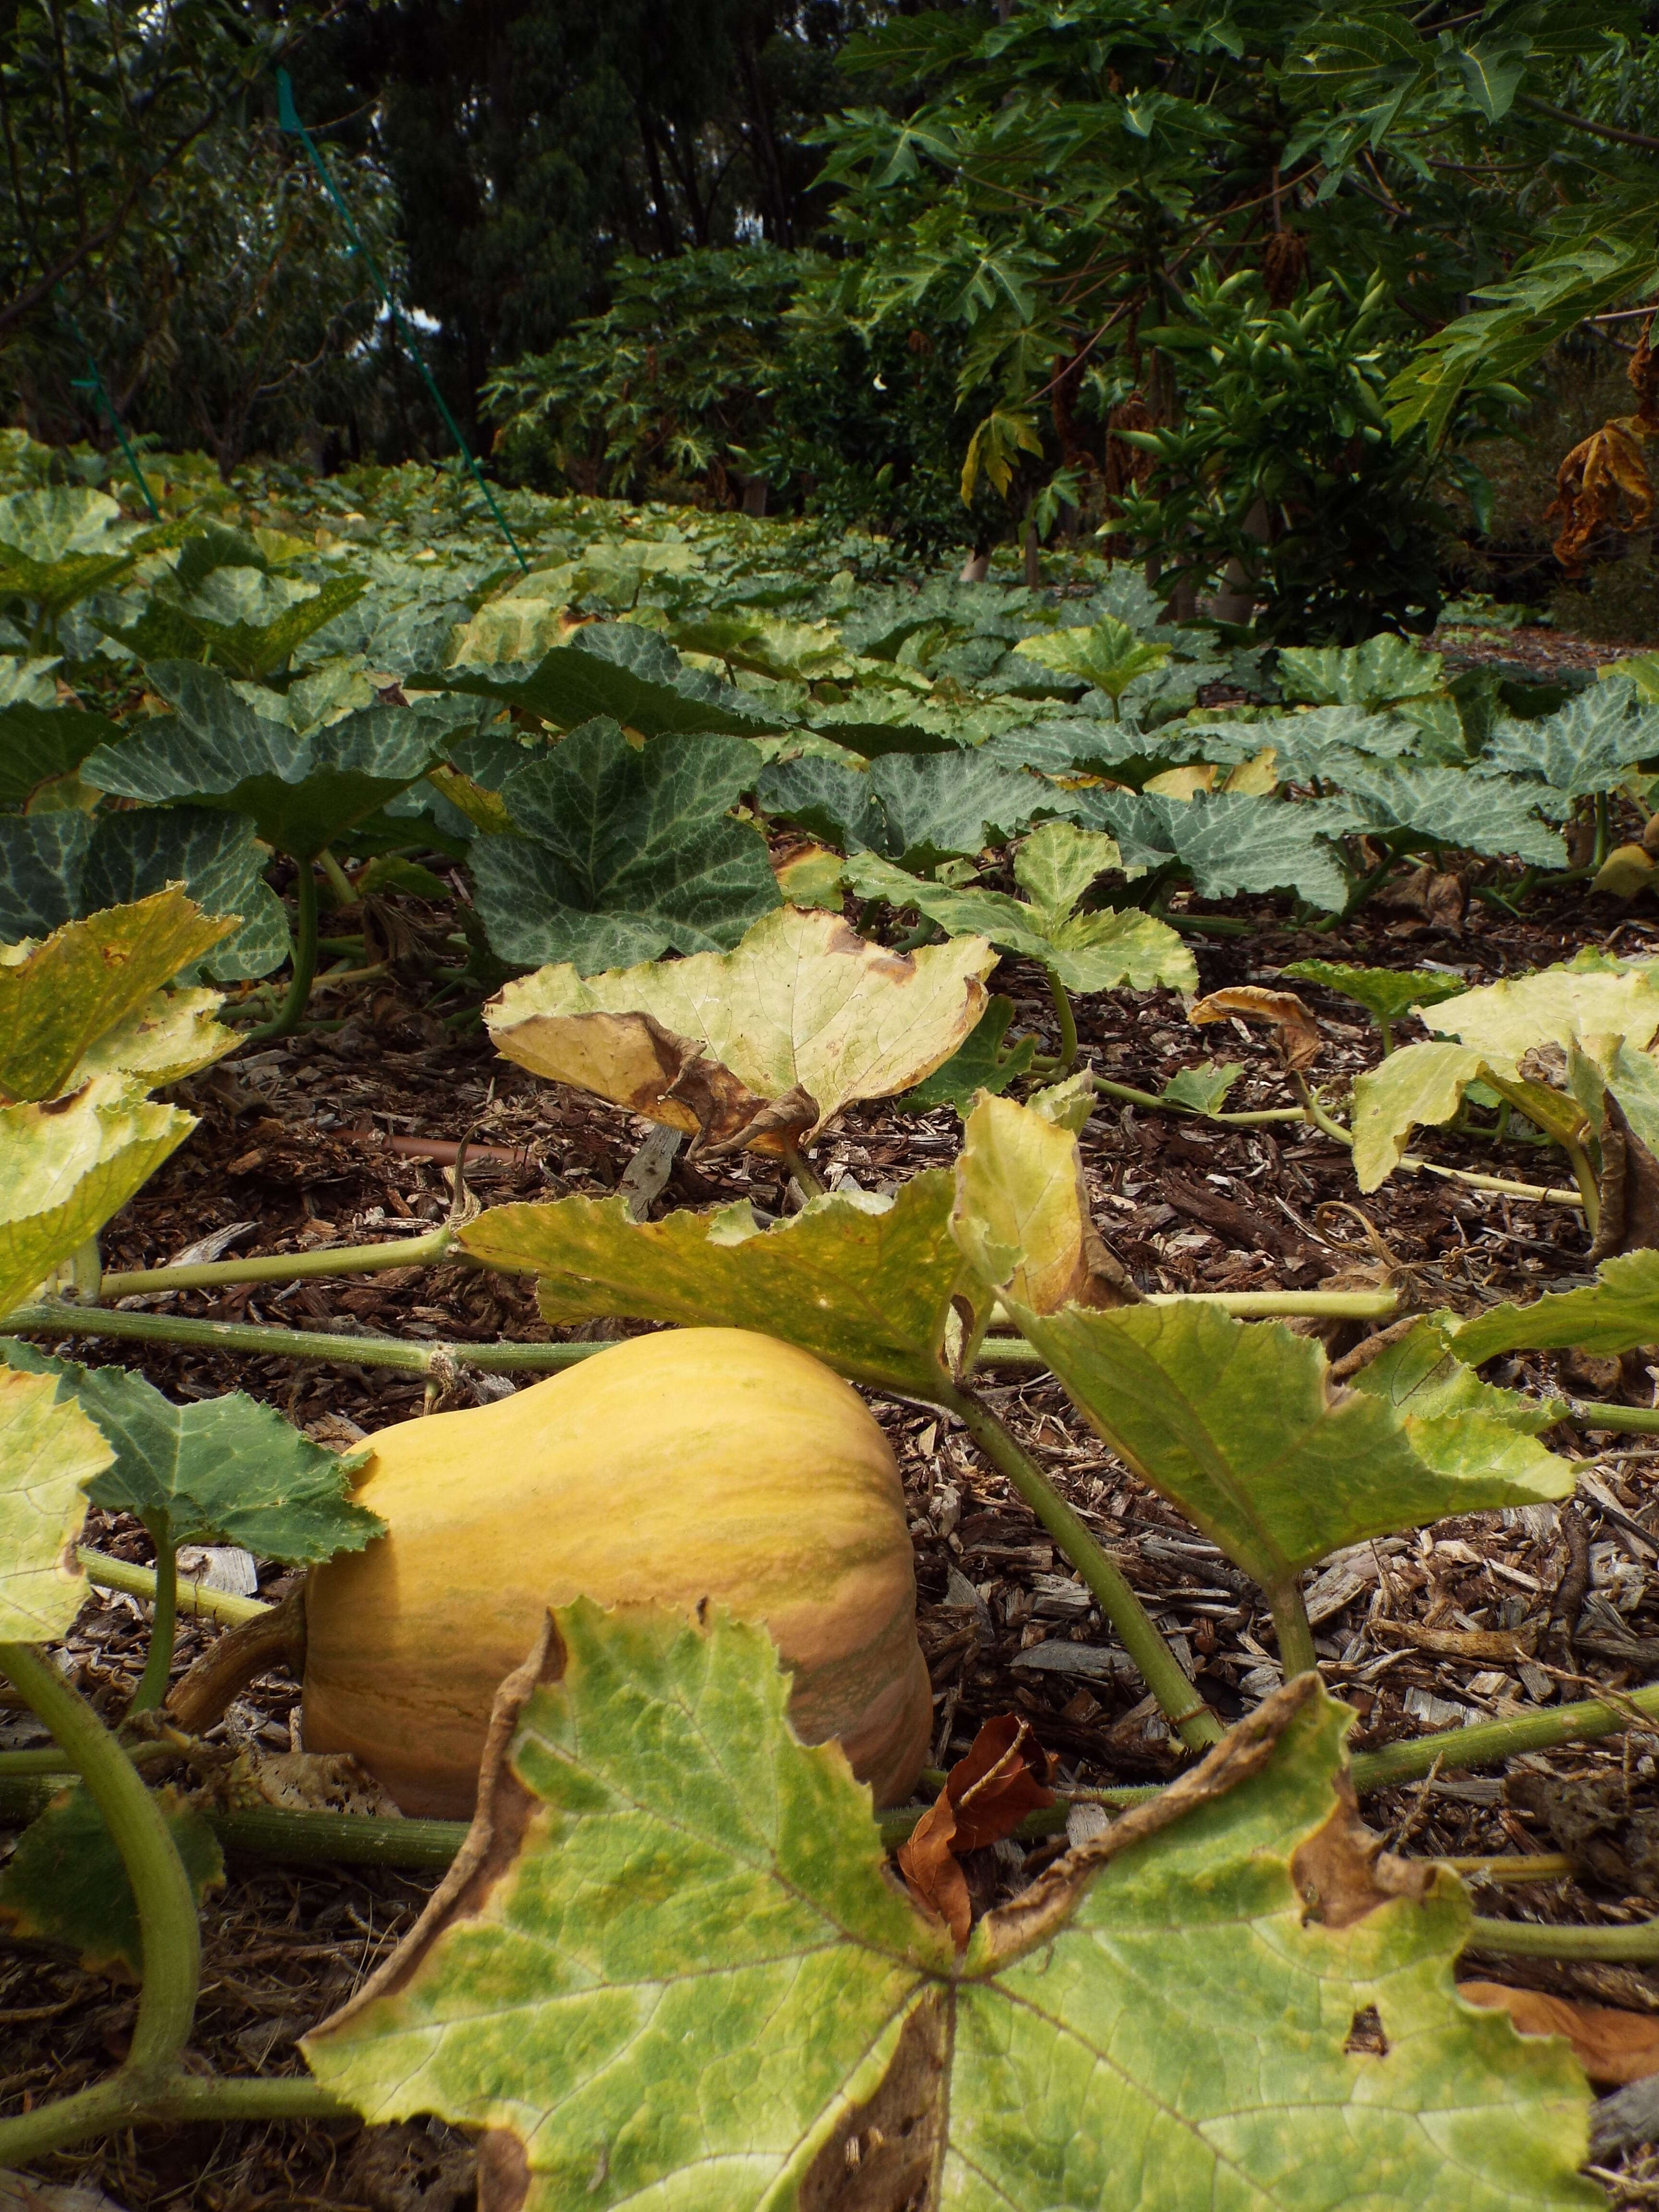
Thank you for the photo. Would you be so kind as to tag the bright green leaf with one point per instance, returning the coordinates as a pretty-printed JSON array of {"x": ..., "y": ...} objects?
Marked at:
[
  {"x": 978, "y": 1063},
  {"x": 1386, "y": 993},
  {"x": 1621, "y": 1312}
]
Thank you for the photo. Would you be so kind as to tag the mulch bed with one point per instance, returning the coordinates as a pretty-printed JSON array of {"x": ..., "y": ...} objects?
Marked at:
[{"x": 292, "y": 1142}]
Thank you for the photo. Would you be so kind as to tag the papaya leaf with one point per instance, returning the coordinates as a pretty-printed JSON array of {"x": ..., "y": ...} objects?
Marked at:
[
  {"x": 616, "y": 671},
  {"x": 64, "y": 1169},
  {"x": 1388, "y": 994},
  {"x": 67, "y": 1883},
  {"x": 761, "y": 1046},
  {"x": 1619, "y": 1313},
  {"x": 216, "y": 1471},
  {"x": 1237, "y": 1423},
  {"x": 980, "y": 1063},
  {"x": 624, "y": 853},
  {"x": 863, "y": 1284},
  {"x": 89, "y": 982},
  {"x": 301, "y": 789},
  {"x": 49, "y": 1452},
  {"x": 1162, "y": 2019}
]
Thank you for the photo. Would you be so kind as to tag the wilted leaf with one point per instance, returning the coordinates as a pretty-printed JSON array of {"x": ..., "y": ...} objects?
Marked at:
[
  {"x": 615, "y": 670},
  {"x": 89, "y": 978},
  {"x": 987, "y": 1794},
  {"x": 979, "y": 1064},
  {"x": 863, "y": 1285},
  {"x": 625, "y": 853},
  {"x": 49, "y": 1452},
  {"x": 1422, "y": 1085},
  {"x": 1295, "y": 1030},
  {"x": 1388, "y": 994},
  {"x": 1237, "y": 1423},
  {"x": 1613, "y": 2047},
  {"x": 761, "y": 1046},
  {"x": 216, "y": 1471},
  {"x": 1163, "y": 2020},
  {"x": 1619, "y": 1313},
  {"x": 65, "y": 1169},
  {"x": 302, "y": 789},
  {"x": 67, "y": 1883}
]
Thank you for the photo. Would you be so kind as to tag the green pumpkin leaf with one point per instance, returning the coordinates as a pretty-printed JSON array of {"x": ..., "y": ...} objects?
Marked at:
[
  {"x": 1589, "y": 745},
  {"x": 1618, "y": 1313},
  {"x": 916, "y": 810},
  {"x": 63, "y": 542},
  {"x": 623, "y": 853},
  {"x": 1380, "y": 672},
  {"x": 1424, "y": 1374},
  {"x": 863, "y": 1284},
  {"x": 616, "y": 671},
  {"x": 1237, "y": 1423},
  {"x": 1444, "y": 807},
  {"x": 64, "y": 1169},
  {"x": 669, "y": 1970},
  {"x": 1388, "y": 994},
  {"x": 64, "y": 866},
  {"x": 216, "y": 1471},
  {"x": 37, "y": 744},
  {"x": 1228, "y": 842},
  {"x": 978, "y": 1063},
  {"x": 252, "y": 621},
  {"x": 89, "y": 979},
  {"x": 67, "y": 1883},
  {"x": 49, "y": 1452},
  {"x": 301, "y": 789},
  {"x": 1112, "y": 948},
  {"x": 1205, "y": 1086},
  {"x": 763, "y": 1045}
]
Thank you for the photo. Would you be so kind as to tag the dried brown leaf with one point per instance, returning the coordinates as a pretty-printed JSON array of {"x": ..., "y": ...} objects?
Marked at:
[
  {"x": 1613, "y": 2047},
  {"x": 1296, "y": 1032},
  {"x": 987, "y": 1794}
]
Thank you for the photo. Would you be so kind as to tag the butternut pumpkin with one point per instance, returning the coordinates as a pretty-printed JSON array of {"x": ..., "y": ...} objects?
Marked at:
[{"x": 702, "y": 1463}]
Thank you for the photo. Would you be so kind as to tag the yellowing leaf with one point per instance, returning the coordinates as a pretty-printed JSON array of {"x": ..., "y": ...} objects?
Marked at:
[
  {"x": 65, "y": 1170},
  {"x": 1558, "y": 1006},
  {"x": 176, "y": 1034},
  {"x": 669, "y": 1971},
  {"x": 1237, "y": 1424},
  {"x": 864, "y": 1285},
  {"x": 60, "y": 998},
  {"x": 1183, "y": 782},
  {"x": 48, "y": 1453},
  {"x": 761, "y": 1046},
  {"x": 1626, "y": 869},
  {"x": 1423, "y": 1086}
]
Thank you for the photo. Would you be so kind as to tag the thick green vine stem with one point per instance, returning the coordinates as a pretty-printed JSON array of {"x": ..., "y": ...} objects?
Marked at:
[
  {"x": 151, "y": 2083},
  {"x": 288, "y": 1016},
  {"x": 158, "y": 1660},
  {"x": 283, "y": 1266},
  {"x": 1161, "y": 1672},
  {"x": 406, "y": 1356},
  {"x": 1296, "y": 1645},
  {"x": 1488, "y": 1743},
  {"x": 1066, "y": 1058},
  {"x": 1534, "y": 1939}
]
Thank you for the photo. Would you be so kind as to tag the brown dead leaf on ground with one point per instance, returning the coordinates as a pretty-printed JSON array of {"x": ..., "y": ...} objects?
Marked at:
[
  {"x": 1296, "y": 1033},
  {"x": 1613, "y": 2047},
  {"x": 987, "y": 1794}
]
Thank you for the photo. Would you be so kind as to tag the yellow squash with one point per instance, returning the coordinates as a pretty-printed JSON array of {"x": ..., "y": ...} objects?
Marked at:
[{"x": 702, "y": 1463}]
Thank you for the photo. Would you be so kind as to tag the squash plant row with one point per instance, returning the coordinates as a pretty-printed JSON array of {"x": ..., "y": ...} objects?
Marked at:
[{"x": 666, "y": 1960}]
